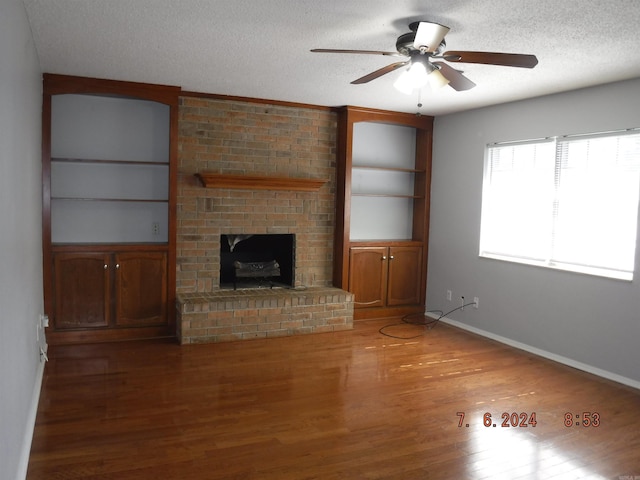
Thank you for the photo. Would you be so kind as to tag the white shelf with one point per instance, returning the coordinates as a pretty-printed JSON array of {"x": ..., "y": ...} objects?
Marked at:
[
  {"x": 383, "y": 178},
  {"x": 386, "y": 169},
  {"x": 109, "y": 170},
  {"x": 113, "y": 180},
  {"x": 377, "y": 218},
  {"x": 107, "y": 162},
  {"x": 382, "y": 182},
  {"x": 384, "y": 146},
  {"x": 106, "y": 128},
  {"x": 74, "y": 221}
]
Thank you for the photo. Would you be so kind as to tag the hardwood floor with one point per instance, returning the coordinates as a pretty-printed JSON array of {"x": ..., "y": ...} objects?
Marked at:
[{"x": 344, "y": 405}]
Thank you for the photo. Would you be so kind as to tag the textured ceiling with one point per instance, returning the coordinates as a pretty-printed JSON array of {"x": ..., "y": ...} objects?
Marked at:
[{"x": 260, "y": 49}]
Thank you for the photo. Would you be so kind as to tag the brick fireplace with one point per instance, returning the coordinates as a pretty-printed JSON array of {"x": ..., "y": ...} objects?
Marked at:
[
  {"x": 233, "y": 137},
  {"x": 257, "y": 260}
]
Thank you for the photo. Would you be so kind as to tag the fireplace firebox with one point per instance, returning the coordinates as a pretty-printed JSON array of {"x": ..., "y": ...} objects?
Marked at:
[{"x": 257, "y": 261}]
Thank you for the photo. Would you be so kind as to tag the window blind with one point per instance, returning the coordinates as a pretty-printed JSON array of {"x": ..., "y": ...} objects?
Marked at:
[{"x": 568, "y": 202}]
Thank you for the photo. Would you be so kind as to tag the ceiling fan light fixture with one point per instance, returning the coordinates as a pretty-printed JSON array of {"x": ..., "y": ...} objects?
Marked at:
[
  {"x": 437, "y": 80},
  {"x": 403, "y": 83},
  {"x": 418, "y": 75},
  {"x": 414, "y": 77}
]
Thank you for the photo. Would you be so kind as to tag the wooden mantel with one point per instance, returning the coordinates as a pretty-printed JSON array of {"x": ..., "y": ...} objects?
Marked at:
[{"x": 248, "y": 182}]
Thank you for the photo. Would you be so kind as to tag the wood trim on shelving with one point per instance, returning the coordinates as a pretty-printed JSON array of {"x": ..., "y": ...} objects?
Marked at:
[
  {"x": 364, "y": 114},
  {"x": 386, "y": 312},
  {"x": 388, "y": 195},
  {"x": 248, "y": 182},
  {"x": 110, "y": 247},
  {"x": 106, "y": 334},
  {"x": 385, "y": 242},
  {"x": 386, "y": 169},
  {"x": 55, "y": 84},
  {"x": 109, "y": 162},
  {"x": 107, "y": 199}
]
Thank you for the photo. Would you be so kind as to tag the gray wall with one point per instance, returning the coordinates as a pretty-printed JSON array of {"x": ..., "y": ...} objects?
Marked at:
[
  {"x": 588, "y": 321},
  {"x": 20, "y": 237}
]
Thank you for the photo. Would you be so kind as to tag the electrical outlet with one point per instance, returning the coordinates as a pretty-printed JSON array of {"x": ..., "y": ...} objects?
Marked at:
[
  {"x": 43, "y": 321},
  {"x": 449, "y": 294},
  {"x": 155, "y": 228},
  {"x": 476, "y": 302}
]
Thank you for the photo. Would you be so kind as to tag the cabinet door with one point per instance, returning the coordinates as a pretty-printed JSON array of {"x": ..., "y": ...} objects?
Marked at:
[
  {"x": 141, "y": 288},
  {"x": 404, "y": 275},
  {"x": 368, "y": 275},
  {"x": 81, "y": 287}
]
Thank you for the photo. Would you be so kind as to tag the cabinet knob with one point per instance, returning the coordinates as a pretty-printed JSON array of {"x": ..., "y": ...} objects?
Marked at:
[
  {"x": 106, "y": 266},
  {"x": 391, "y": 257},
  {"x": 117, "y": 266},
  {"x": 384, "y": 257}
]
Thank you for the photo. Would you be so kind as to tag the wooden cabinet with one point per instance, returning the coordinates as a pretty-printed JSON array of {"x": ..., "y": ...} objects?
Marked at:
[
  {"x": 385, "y": 276},
  {"x": 106, "y": 290},
  {"x": 368, "y": 269},
  {"x": 109, "y": 158},
  {"x": 382, "y": 227},
  {"x": 82, "y": 290},
  {"x": 140, "y": 288},
  {"x": 405, "y": 276}
]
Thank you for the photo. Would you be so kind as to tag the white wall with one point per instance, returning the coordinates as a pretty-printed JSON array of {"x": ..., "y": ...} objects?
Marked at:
[
  {"x": 589, "y": 321},
  {"x": 20, "y": 237}
]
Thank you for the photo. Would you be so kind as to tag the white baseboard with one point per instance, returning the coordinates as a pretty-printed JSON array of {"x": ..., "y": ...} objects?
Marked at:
[
  {"x": 542, "y": 353},
  {"x": 23, "y": 465}
]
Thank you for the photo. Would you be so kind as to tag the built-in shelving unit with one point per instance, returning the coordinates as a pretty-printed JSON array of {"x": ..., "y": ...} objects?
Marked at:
[
  {"x": 109, "y": 175},
  {"x": 384, "y": 172}
]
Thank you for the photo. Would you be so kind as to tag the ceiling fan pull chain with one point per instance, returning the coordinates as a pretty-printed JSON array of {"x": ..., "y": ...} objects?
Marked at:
[{"x": 418, "y": 114}]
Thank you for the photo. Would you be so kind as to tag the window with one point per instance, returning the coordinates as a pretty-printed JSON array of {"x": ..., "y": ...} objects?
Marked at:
[{"x": 566, "y": 202}]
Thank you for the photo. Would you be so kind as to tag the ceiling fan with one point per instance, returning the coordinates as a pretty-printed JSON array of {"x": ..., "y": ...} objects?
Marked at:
[{"x": 424, "y": 44}]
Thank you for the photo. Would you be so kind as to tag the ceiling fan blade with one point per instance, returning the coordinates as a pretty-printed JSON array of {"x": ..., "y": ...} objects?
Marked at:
[
  {"x": 490, "y": 58},
  {"x": 457, "y": 81},
  {"x": 429, "y": 35},
  {"x": 365, "y": 52},
  {"x": 380, "y": 72}
]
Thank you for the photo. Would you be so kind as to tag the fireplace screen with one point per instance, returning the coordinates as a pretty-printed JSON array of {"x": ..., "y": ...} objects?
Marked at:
[{"x": 257, "y": 260}]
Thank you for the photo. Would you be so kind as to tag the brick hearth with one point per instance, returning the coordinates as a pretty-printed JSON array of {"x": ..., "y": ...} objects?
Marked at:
[{"x": 229, "y": 315}]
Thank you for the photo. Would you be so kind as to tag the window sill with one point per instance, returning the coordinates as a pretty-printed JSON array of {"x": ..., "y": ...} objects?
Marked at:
[{"x": 598, "y": 272}]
